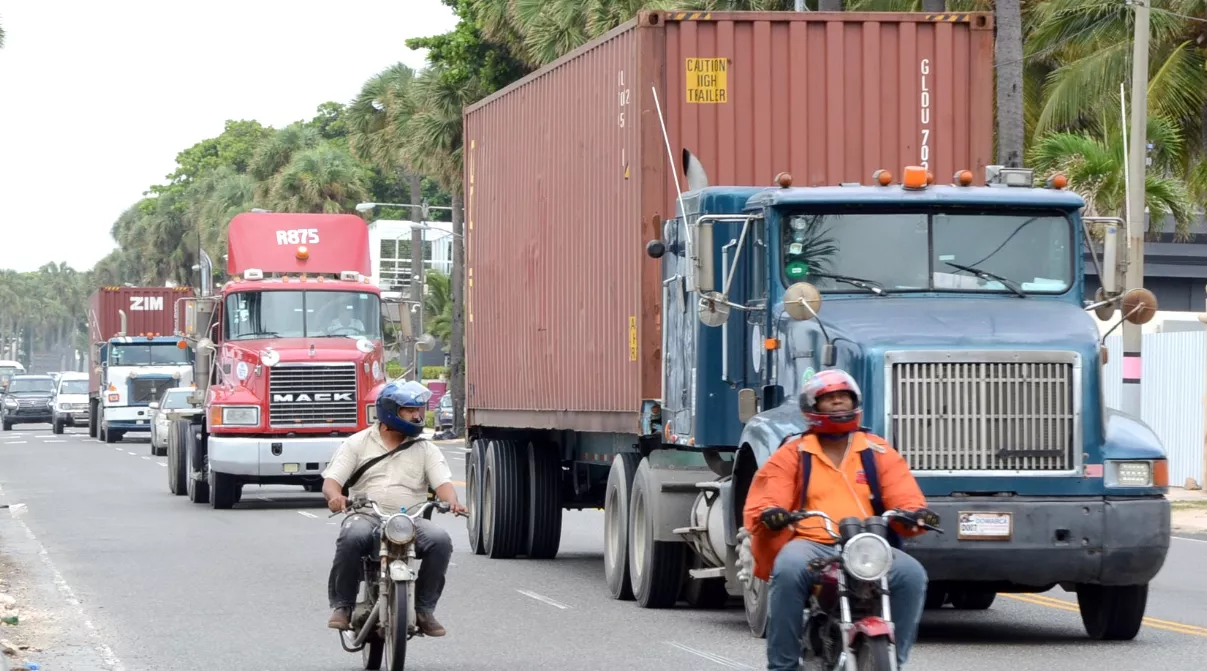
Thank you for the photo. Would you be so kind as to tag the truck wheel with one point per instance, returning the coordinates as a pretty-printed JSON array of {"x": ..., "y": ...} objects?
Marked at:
[
  {"x": 935, "y": 598},
  {"x": 656, "y": 568},
  {"x": 473, "y": 495},
  {"x": 107, "y": 435},
  {"x": 176, "y": 463},
  {"x": 58, "y": 427},
  {"x": 92, "y": 419},
  {"x": 616, "y": 525},
  {"x": 754, "y": 590},
  {"x": 199, "y": 491},
  {"x": 544, "y": 500},
  {"x": 225, "y": 490},
  {"x": 972, "y": 599},
  {"x": 504, "y": 500},
  {"x": 8, "y": 426},
  {"x": 1112, "y": 613}
]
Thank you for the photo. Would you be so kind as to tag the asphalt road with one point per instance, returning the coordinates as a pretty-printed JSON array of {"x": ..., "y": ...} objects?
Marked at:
[{"x": 127, "y": 576}]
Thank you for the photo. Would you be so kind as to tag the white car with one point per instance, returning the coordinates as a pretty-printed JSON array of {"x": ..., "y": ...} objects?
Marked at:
[
  {"x": 173, "y": 404},
  {"x": 70, "y": 401}
]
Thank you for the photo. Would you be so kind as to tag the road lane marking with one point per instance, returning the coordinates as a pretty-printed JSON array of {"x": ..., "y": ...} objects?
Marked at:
[
  {"x": 44, "y": 436},
  {"x": 543, "y": 599},
  {"x": 162, "y": 464},
  {"x": 147, "y": 458},
  {"x": 132, "y": 454},
  {"x": 121, "y": 450},
  {"x": 1061, "y": 604},
  {"x": 54, "y": 441},
  {"x": 1192, "y": 540},
  {"x": 16, "y": 442},
  {"x": 716, "y": 659},
  {"x": 303, "y": 512}
]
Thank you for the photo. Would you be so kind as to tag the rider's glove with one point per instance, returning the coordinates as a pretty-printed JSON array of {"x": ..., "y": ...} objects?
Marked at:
[
  {"x": 927, "y": 516},
  {"x": 775, "y": 518}
]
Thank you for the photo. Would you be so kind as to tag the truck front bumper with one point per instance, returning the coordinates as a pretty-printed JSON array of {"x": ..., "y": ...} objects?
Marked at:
[
  {"x": 1095, "y": 540},
  {"x": 267, "y": 457},
  {"x": 127, "y": 418}
]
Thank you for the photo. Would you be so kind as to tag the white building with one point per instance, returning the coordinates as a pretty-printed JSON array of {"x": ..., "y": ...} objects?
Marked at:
[{"x": 389, "y": 249}]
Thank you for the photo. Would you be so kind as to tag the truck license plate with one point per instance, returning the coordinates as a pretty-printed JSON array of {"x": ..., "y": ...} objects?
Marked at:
[{"x": 983, "y": 526}]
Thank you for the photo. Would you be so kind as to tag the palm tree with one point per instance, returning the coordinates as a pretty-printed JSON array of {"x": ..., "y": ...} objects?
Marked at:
[
  {"x": 320, "y": 179},
  {"x": 1, "y": 37},
  {"x": 438, "y": 305}
]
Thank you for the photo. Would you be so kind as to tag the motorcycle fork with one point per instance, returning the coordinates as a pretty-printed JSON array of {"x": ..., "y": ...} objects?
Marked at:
[{"x": 847, "y": 659}]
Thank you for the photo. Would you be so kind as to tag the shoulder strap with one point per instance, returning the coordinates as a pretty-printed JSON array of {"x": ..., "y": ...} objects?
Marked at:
[
  {"x": 356, "y": 475},
  {"x": 806, "y": 469},
  {"x": 870, "y": 470}
]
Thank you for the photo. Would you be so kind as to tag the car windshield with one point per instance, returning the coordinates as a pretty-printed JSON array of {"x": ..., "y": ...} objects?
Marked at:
[
  {"x": 141, "y": 354},
  {"x": 302, "y": 314},
  {"x": 23, "y": 384},
  {"x": 446, "y": 402},
  {"x": 174, "y": 400},
  {"x": 73, "y": 387},
  {"x": 915, "y": 251}
]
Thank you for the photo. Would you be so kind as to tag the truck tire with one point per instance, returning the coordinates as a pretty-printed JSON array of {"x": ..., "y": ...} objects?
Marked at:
[
  {"x": 8, "y": 426},
  {"x": 544, "y": 500},
  {"x": 474, "y": 465},
  {"x": 107, "y": 435},
  {"x": 754, "y": 592},
  {"x": 504, "y": 500},
  {"x": 194, "y": 460},
  {"x": 1112, "y": 613},
  {"x": 92, "y": 418},
  {"x": 656, "y": 568},
  {"x": 972, "y": 599},
  {"x": 225, "y": 490},
  {"x": 616, "y": 525},
  {"x": 57, "y": 426},
  {"x": 176, "y": 464}
]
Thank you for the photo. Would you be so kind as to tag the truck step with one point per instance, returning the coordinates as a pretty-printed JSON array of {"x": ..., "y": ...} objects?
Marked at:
[
  {"x": 705, "y": 573},
  {"x": 688, "y": 530}
]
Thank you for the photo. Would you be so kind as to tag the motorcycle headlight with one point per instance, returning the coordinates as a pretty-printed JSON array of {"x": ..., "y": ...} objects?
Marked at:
[
  {"x": 867, "y": 557},
  {"x": 400, "y": 529}
]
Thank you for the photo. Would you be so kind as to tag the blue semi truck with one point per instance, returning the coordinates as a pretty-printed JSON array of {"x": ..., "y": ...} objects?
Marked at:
[{"x": 959, "y": 309}]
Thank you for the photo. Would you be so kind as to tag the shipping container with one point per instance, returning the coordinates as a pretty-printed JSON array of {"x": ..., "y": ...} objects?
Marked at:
[
  {"x": 568, "y": 173},
  {"x": 149, "y": 311}
]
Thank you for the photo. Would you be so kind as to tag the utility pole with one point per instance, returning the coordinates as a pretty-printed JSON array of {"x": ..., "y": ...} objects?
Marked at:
[{"x": 1133, "y": 338}]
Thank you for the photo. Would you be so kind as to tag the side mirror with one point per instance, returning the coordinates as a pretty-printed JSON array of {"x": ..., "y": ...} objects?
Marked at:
[
  {"x": 154, "y": 405},
  {"x": 1139, "y": 306},
  {"x": 425, "y": 343},
  {"x": 700, "y": 274},
  {"x": 802, "y": 301}
]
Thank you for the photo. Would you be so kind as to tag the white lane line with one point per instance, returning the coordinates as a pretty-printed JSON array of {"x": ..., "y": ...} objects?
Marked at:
[
  {"x": 44, "y": 436},
  {"x": 303, "y": 512},
  {"x": 1192, "y": 540},
  {"x": 716, "y": 659},
  {"x": 54, "y": 441},
  {"x": 147, "y": 458},
  {"x": 132, "y": 454},
  {"x": 16, "y": 442},
  {"x": 119, "y": 449},
  {"x": 458, "y": 458},
  {"x": 107, "y": 657},
  {"x": 543, "y": 599},
  {"x": 162, "y": 464}
]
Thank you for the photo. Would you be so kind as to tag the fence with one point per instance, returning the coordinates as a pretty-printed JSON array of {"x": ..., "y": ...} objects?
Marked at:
[{"x": 1175, "y": 367}]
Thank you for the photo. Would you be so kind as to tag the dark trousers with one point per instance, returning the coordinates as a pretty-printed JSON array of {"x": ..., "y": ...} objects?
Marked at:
[{"x": 359, "y": 537}]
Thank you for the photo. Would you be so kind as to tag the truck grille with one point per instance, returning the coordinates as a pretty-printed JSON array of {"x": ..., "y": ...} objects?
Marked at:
[
  {"x": 986, "y": 412},
  {"x": 318, "y": 395},
  {"x": 144, "y": 390}
]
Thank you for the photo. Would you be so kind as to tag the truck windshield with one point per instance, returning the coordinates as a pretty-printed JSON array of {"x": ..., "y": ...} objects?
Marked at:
[
  {"x": 914, "y": 251},
  {"x": 302, "y": 314},
  {"x": 139, "y": 354},
  {"x": 73, "y": 387}
]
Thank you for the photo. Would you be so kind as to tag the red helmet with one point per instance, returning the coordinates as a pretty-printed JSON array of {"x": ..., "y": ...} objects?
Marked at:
[{"x": 830, "y": 423}]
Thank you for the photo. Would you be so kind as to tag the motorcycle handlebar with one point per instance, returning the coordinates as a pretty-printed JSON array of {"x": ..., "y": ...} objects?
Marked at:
[{"x": 904, "y": 516}]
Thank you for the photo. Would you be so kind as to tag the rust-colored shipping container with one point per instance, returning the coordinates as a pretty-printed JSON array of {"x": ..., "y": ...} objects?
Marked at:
[
  {"x": 568, "y": 176},
  {"x": 150, "y": 311}
]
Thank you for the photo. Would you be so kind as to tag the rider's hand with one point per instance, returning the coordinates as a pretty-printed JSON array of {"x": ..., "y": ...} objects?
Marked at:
[
  {"x": 457, "y": 509},
  {"x": 926, "y": 516},
  {"x": 337, "y": 503},
  {"x": 775, "y": 518}
]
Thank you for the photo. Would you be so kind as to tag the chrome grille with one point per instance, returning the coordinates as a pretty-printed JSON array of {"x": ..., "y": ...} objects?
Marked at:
[
  {"x": 318, "y": 395},
  {"x": 144, "y": 390},
  {"x": 985, "y": 411}
]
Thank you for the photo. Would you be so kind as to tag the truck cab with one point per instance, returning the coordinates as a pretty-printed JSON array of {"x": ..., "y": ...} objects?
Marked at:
[
  {"x": 290, "y": 356},
  {"x": 135, "y": 370},
  {"x": 960, "y": 311}
]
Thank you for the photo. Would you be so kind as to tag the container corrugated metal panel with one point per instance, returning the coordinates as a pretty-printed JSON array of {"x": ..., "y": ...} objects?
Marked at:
[
  {"x": 567, "y": 177},
  {"x": 1175, "y": 370}
]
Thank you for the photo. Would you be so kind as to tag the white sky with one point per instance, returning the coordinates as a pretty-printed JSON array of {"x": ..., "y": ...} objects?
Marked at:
[{"x": 97, "y": 98}]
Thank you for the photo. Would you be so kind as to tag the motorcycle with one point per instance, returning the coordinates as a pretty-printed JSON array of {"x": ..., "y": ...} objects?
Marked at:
[
  {"x": 848, "y": 622},
  {"x": 383, "y": 619}
]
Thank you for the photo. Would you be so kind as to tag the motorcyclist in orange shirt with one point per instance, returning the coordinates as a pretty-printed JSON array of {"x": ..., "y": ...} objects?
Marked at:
[{"x": 838, "y": 485}]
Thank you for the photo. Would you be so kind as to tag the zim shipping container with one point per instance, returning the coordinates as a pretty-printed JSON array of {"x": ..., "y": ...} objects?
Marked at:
[
  {"x": 568, "y": 175},
  {"x": 149, "y": 311}
]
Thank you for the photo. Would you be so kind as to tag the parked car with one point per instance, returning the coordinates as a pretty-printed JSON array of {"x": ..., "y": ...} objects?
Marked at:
[
  {"x": 172, "y": 404},
  {"x": 70, "y": 401},
  {"x": 444, "y": 417},
  {"x": 29, "y": 399}
]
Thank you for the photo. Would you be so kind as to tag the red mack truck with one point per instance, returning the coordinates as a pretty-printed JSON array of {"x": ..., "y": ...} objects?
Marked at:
[{"x": 289, "y": 357}]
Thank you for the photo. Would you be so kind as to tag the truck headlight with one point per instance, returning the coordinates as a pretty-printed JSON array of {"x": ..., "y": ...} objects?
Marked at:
[
  {"x": 400, "y": 529},
  {"x": 1136, "y": 473},
  {"x": 240, "y": 415},
  {"x": 867, "y": 557}
]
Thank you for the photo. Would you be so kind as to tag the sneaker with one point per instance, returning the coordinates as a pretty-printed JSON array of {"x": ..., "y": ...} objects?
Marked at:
[
  {"x": 428, "y": 625},
  {"x": 339, "y": 619}
]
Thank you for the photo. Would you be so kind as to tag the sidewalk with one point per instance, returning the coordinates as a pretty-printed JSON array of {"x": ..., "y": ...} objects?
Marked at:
[{"x": 1189, "y": 510}]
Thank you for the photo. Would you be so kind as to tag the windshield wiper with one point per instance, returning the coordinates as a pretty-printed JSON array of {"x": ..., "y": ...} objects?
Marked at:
[
  {"x": 988, "y": 276},
  {"x": 874, "y": 287},
  {"x": 253, "y": 334}
]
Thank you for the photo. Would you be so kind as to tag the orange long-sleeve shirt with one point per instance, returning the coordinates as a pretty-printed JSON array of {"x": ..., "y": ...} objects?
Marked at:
[{"x": 838, "y": 491}]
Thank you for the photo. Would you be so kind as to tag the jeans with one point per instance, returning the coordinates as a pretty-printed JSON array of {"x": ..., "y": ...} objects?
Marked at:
[
  {"x": 359, "y": 538},
  {"x": 791, "y": 584}
]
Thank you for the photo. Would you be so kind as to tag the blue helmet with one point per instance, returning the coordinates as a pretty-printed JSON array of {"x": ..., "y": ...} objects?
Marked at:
[{"x": 405, "y": 395}]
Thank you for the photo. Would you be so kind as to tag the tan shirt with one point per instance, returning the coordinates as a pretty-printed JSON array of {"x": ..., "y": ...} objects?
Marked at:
[{"x": 394, "y": 483}]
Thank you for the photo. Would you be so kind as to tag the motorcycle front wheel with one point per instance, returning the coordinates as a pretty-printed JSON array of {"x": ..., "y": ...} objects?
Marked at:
[
  {"x": 396, "y": 629},
  {"x": 872, "y": 654}
]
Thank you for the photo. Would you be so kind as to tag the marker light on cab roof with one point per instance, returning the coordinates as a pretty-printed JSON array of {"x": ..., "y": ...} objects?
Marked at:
[
  {"x": 915, "y": 177},
  {"x": 303, "y": 252}
]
